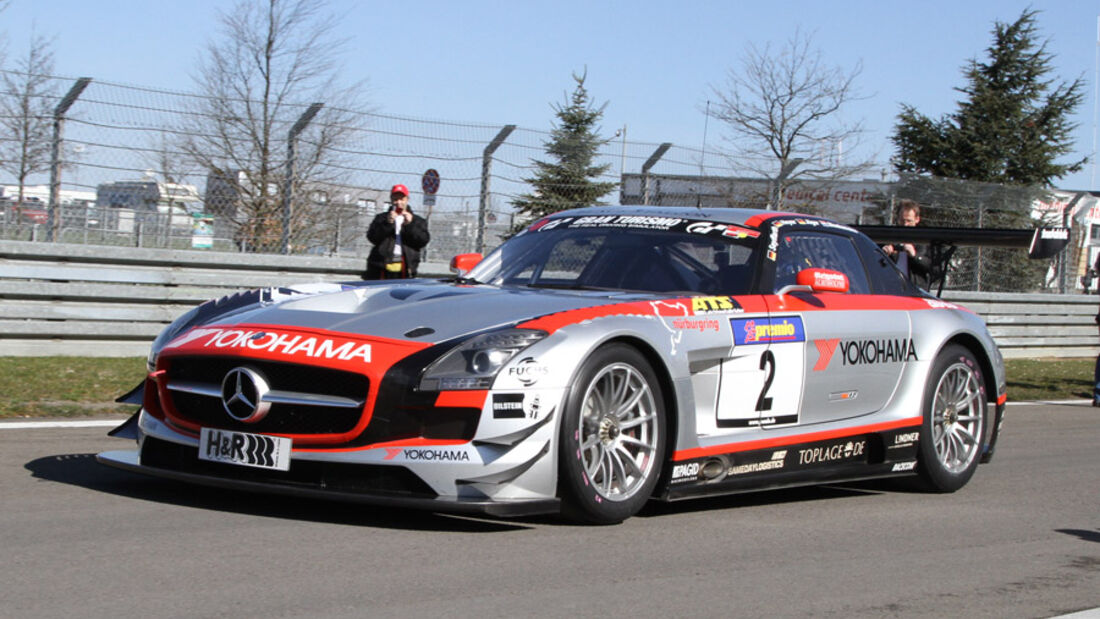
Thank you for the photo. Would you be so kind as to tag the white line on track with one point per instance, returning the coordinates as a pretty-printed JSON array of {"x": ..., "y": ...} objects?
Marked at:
[{"x": 93, "y": 423}]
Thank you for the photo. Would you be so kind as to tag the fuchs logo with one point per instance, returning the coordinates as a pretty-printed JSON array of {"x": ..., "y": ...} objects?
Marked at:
[
  {"x": 863, "y": 352},
  {"x": 528, "y": 371},
  {"x": 765, "y": 331}
]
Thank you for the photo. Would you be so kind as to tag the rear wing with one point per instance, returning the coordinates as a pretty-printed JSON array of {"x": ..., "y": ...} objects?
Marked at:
[{"x": 1040, "y": 243}]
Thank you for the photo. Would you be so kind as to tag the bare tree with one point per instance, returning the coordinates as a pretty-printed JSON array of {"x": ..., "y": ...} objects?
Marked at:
[
  {"x": 273, "y": 58},
  {"x": 26, "y": 105},
  {"x": 783, "y": 115}
]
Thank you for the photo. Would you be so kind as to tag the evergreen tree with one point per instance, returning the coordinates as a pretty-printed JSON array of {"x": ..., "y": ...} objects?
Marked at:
[
  {"x": 1005, "y": 138},
  {"x": 1011, "y": 128},
  {"x": 569, "y": 181}
]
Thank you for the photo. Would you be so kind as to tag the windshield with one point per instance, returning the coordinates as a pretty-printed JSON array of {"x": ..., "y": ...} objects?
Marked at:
[{"x": 623, "y": 258}]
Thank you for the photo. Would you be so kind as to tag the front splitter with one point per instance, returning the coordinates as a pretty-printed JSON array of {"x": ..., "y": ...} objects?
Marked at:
[{"x": 129, "y": 460}]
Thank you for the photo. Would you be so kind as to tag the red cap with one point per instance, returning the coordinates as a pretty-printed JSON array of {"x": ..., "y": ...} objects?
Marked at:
[{"x": 401, "y": 189}]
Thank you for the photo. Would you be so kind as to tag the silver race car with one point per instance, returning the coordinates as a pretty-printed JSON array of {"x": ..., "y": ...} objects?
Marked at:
[{"x": 602, "y": 358}]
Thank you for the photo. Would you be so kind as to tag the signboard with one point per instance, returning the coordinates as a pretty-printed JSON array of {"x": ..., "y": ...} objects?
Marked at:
[
  {"x": 202, "y": 231},
  {"x": 430, "y": 182}
]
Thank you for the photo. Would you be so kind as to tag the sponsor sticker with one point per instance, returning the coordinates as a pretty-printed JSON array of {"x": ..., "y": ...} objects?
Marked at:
[
  {"x": 904, "y": 466},
  {"x": 777, "y": 461},
  {"x": 906, "y": 439},
  {"x": 864, "y": 352},
  {"x": 508, "y": 406},
  {"x": 833, "y": 452},
  {"x": 244, "y": 449},
  {"x": 289, "y": 344},
  {"x": 762, "y": 330},
  {"x": 727, "y": 230},
  {"x": 692, "y": 324},
  {"x": 705, "y": 305},
  {"x": 528, "y": 371},
  {"x": 427, "y": 454},
  {"x": 685, "y": 472}
]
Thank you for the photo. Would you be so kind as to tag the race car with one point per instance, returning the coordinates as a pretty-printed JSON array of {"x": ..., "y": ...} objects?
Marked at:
[{"x": 602, "y": 358}]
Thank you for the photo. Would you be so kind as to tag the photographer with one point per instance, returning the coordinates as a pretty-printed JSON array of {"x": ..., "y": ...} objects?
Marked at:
[
  {"x": 912, "y": 259},
  {"x": 398, "y": 236}
]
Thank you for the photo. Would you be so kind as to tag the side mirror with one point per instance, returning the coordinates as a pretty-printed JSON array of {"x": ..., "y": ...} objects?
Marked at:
[
  {"x": 464, "y": 263},
  {"x": 823, "y": 280}
]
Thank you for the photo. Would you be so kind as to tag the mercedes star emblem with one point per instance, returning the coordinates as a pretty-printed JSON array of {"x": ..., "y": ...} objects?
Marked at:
[{"x": 243, "y": 391}]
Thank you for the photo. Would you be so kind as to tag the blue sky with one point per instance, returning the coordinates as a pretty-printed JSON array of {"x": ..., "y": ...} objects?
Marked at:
[{"x": 653, "y": 62}]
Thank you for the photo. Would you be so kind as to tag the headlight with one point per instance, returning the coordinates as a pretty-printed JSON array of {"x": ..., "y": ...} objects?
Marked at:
[{"x": 475, "y": 363}]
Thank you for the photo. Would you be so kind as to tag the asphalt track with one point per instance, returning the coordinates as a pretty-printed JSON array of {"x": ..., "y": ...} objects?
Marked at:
[{"x": 1021, "y": 540}]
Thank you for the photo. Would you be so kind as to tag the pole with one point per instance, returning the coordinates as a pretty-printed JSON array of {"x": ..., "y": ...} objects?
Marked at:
[
  {"x": 1095, "y": 103},
  {"x": 649, "y": 163},
  {"x": 622, "y": 156},
  {"x": 53, "y": 224},
  {"x": 486, "y": 166},
  {"x": 288, "y": 183}
]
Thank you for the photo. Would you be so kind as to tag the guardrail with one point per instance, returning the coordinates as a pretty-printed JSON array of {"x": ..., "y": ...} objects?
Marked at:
[
  {"x": 97, "y": 301},
  {"x": 88, "y": 300}
]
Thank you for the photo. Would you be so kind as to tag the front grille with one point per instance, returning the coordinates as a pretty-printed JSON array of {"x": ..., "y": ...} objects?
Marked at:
[
  {"x": 203, "y": 406},
  {"x": 335, "y": 476}
]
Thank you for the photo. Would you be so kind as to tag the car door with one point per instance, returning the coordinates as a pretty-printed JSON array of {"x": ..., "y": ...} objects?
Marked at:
[{"x": 855, "y": 344}]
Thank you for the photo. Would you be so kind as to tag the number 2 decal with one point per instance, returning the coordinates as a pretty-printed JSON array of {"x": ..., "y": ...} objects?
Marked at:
[{"x": 767, "y": 363}]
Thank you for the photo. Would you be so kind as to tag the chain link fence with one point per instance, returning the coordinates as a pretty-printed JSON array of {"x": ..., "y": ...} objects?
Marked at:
[{"x": 148, "y": 167}]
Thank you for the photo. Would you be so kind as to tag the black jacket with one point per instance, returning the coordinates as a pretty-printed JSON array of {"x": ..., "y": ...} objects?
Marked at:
[{"x": 381, "y": 234}]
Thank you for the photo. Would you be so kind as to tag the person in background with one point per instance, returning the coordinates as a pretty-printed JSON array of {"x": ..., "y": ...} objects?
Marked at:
[
  {"x": 914, "y": 257},
  {"x": 397, "y": 235},
  {"x": 1096, "y": 372}
]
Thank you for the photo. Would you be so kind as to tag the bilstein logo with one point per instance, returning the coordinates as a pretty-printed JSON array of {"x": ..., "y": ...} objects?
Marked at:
[{"x": 863, "y": 352}]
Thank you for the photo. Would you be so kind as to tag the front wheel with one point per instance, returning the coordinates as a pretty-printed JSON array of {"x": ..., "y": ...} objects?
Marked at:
[
  {"x": 954, "y": 421},
  {"x": 613, "y": 437}
]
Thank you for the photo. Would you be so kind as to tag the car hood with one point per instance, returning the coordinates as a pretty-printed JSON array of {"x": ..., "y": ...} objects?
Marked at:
[{"x": 419, "y": 310}]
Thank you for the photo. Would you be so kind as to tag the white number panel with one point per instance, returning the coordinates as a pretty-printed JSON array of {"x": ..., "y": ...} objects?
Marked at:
[{"x": 761, "y": 383}]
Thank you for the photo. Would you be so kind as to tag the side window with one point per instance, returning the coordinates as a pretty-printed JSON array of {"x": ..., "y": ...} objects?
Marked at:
[
  {"x": 885, "y": 276},
  {"x": 804, "y": 250}
]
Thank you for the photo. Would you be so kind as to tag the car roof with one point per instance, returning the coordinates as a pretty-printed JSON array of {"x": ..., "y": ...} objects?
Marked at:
[{"x": 748, "y": 217}]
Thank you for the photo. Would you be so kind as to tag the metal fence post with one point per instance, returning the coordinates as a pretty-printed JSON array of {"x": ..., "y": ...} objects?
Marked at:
[
  {"x": 288, "y": 186},
  {"x": 486, "y": 166},
  {"x": 54, "y": 218},
  {"x": 649, "y": 163}
]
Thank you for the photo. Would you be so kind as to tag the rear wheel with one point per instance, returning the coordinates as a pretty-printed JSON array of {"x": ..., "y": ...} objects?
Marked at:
[
  {"x": 954, "y": 421},
  {"x": 613, "y": 437}
]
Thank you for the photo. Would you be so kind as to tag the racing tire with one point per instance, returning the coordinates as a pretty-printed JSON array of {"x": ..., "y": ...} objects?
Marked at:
[
  {"x": 954, "y": 422},
  {"x": 612, "y": 437}
]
